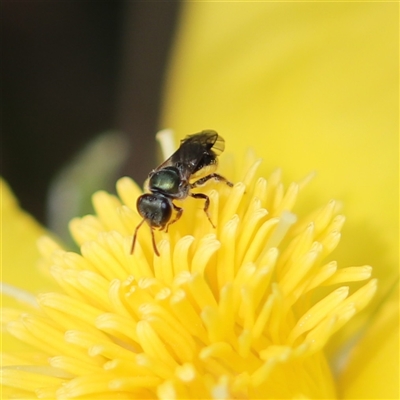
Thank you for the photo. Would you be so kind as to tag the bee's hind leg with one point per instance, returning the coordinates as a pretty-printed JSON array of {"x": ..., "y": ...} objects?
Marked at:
[
  {"x": 206, "y": 204},
  {"x": 217, "y": 177}
]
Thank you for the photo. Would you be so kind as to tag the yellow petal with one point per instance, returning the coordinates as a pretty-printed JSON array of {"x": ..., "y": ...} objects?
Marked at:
[
  {"x": 19, "y": 235},
  {"x": 19, "y": 256},
  {"x": 373, "y": 369},
  {"x": 311, "y": 85}
]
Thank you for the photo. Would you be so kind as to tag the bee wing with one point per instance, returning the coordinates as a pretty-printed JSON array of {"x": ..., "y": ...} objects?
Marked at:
[
  {"x": 208, "y": 140},
  {"x": 199, "y": 153},
  {"x": 196, "y": 152},
  {"x": 219, "y": 146}
]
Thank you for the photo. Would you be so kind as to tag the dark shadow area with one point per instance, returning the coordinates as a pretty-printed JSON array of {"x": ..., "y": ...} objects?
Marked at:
[{"x": 71, "y": 70}]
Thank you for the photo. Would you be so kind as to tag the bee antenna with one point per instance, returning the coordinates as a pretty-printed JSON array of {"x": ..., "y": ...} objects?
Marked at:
[
  {"x": 154, "y": 242},
  {"x": 134, "y": 236},
  {"x": 152, "y": 238}
]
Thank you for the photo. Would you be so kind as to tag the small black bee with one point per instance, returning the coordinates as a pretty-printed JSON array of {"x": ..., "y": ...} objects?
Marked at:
[{"x": 190, "y": 166}]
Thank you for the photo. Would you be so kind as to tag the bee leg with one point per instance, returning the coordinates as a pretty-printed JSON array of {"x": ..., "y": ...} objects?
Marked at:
[
  {"x": 206, "y": 204},
  {"x": 217, "y": 177},
  {"x": 179, "y": 212}
]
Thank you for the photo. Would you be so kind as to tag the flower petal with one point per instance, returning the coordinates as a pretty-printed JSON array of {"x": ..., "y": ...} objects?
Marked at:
[
  {"x": 19, "y": 250},
  {"x": 373, "y": 369},
  {"x": 315, "y": 87}
]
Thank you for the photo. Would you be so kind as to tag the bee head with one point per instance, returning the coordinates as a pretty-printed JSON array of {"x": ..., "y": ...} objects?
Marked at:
[{"x": 155, "y": 208}]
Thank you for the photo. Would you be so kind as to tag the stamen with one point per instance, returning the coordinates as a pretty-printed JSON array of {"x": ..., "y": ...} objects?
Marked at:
[{"x": 285, "y": 222}]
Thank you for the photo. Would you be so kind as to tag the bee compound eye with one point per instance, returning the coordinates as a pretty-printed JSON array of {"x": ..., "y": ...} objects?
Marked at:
[{"x": 156, "y": 209}]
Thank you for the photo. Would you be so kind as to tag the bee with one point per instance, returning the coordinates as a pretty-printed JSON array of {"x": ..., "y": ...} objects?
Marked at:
[{"x": 192, "y": 165}]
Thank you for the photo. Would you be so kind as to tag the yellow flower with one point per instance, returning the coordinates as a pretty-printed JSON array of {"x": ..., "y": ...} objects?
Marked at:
[
  {"x": 314, "y": 85},
  {"x": 241, "y": 311}
]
